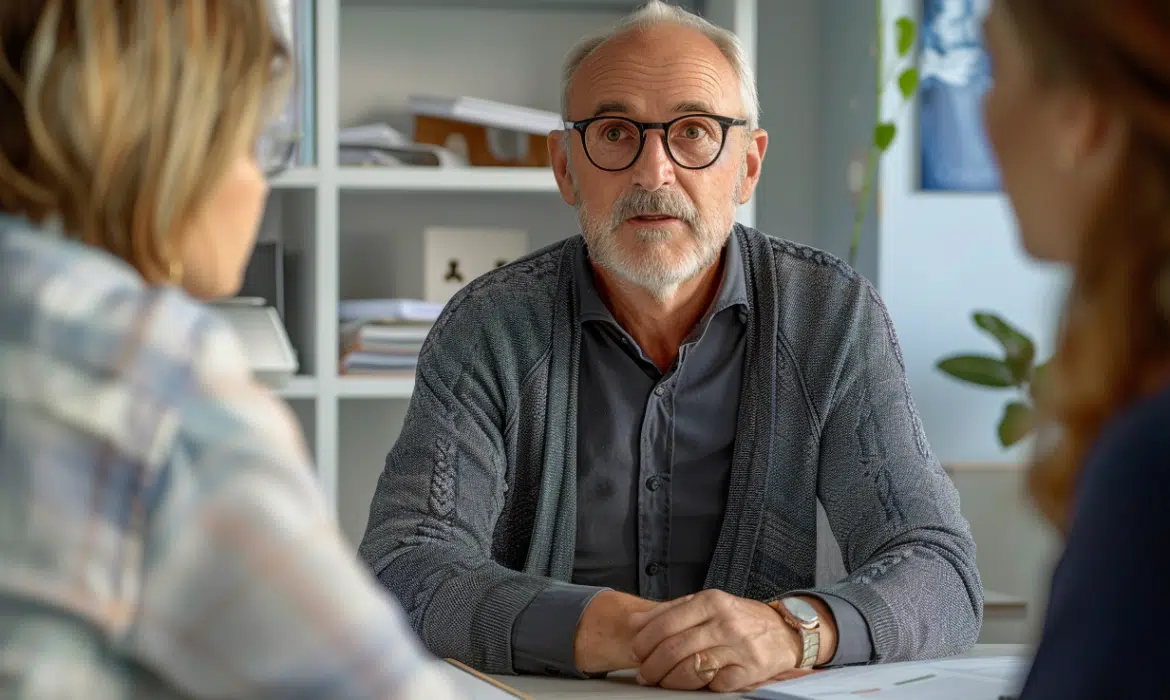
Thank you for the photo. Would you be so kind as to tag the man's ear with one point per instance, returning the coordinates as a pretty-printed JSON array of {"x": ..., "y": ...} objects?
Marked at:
[
  {"x": 558, "y": 152},
  {"x": 754, "y": 162}
]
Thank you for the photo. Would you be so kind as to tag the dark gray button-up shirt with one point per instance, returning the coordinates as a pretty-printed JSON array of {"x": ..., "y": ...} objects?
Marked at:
[{"x": 654, "y": 456}]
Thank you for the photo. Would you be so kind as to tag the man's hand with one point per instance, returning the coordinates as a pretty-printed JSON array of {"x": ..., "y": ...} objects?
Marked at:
[
  {"x": 605, "y": 637},
  {"x": 723, "y": 642}
]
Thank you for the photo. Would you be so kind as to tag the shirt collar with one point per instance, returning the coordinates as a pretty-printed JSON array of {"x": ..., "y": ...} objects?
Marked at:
[{"x": 732, "y": 289}]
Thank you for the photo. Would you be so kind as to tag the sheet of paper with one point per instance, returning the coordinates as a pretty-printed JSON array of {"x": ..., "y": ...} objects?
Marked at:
[{"x": 979, "y": 678}]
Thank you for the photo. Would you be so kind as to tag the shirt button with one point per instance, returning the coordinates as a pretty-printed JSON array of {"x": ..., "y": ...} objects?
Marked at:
[
  {"x": 653, "y": 483},
  {"x": 659, "y": 390},
  {"x": 653, "y": 568}
]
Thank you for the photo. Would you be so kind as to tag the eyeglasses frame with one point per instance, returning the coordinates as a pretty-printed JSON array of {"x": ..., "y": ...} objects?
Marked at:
[
  {"x": 286, "y": 145},
  {"x": 724, "y": 122}
]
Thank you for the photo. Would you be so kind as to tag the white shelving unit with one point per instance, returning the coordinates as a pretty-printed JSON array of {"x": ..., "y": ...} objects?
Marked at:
[
  {"x": 358, "y": 230},
  {"x": 456, "y": 180}
]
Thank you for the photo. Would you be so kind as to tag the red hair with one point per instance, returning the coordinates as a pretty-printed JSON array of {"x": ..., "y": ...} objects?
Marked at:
[{"x": 1114, "y": 344}]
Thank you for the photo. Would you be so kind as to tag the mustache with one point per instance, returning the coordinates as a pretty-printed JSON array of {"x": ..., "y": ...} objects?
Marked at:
[{"x": 640, "y": 202}]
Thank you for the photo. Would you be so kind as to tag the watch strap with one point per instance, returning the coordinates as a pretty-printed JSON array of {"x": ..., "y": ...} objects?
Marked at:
[{"x": 810, "y": 639}]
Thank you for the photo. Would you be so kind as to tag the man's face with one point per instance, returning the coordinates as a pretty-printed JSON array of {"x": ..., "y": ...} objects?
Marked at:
[{"x": 657, "y": 224}]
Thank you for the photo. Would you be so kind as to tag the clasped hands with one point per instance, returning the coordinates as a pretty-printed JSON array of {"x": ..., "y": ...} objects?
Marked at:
[{"x": 715, "y": 640}]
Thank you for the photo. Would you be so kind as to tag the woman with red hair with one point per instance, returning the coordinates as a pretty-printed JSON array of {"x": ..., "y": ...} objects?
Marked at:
[{"x": 1079, "y": 117}]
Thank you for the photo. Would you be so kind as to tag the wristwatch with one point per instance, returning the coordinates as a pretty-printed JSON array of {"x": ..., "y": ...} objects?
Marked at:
[{"x": 804, "y": 619}]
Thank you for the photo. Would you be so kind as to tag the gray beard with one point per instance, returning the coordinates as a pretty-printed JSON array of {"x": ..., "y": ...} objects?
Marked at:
[
  {"x": 642, "y": 266},
  {"x": 647, "y": 269}
]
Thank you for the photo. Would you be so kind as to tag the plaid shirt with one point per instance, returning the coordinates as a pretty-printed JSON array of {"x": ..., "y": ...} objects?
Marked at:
[{"x": 161, "y": 532}]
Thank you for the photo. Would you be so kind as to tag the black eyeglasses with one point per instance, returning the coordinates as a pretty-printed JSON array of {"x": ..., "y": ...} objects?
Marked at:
[
  {"x": 276, "y": 150},
  {"x": 693, "y": 141}
]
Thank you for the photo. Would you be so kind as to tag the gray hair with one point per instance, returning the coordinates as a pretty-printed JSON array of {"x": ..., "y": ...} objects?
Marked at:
[{"x": 658, "y": 12}]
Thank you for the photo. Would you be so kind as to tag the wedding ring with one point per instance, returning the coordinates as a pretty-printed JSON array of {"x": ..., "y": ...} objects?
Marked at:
[{"x": 704, "y": 667}]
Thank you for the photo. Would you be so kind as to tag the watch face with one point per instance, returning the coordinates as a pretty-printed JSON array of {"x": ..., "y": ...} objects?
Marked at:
[{"x": 801, "y": 610}]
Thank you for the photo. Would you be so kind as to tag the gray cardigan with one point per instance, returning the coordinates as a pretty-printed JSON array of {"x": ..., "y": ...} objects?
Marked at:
[{"x": 475, "y": 512}]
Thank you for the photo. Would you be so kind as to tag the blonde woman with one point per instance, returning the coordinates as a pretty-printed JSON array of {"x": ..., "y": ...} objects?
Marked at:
[{"x": 161, "y": 532}]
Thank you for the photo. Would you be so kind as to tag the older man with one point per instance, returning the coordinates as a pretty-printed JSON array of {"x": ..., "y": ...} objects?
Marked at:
[{"x": 616, "y": 446}]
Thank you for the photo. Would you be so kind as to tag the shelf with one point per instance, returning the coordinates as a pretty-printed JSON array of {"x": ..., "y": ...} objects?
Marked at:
[
  {"x": 374, "y": 388},
  {"x": 563, "y": 5},
  {"x": 966, "y": 467},
  {"x": 300, "y": 387},
  {"x": 1003, "y": 605},
  {"x": 448, "y": 179},
  {"x": 296, "y": 178}
]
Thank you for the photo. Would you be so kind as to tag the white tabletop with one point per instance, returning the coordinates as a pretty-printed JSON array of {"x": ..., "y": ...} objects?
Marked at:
[{"x": 621, "y": 686}]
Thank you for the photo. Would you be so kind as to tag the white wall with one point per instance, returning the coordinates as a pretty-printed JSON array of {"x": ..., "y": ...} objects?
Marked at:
[
  {"x": 934, "y": 257},
  {"x": 817, "y": 102},
  {"x": 941, "y": 257},
  {"x": 788, "y": 74},
  {"x": 846, "y": 107},
  {"x": 1014, "y": 549}
]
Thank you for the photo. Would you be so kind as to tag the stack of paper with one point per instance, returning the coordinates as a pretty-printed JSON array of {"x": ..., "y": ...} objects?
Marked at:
[
  {"x": 384, "y": 336},
  {"x": 388, "y": 309},
  {"x": 383, "y": 145},
  {"x": 977, "y": 678},
  {"x": 474, "y": 110}
]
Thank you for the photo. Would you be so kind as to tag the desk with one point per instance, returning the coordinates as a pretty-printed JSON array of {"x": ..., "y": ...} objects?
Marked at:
[{"x": 621, "y": 686}]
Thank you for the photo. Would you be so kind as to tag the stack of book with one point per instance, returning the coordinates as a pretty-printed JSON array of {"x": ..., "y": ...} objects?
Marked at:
[{"x": 383, "y": 337}]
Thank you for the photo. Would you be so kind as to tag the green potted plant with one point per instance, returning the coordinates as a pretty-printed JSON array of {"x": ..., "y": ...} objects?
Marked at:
[{"x": 1015, "y": 370}]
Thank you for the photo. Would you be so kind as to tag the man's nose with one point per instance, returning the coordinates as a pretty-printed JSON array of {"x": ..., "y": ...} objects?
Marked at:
[{"x": 653, "y": 169}]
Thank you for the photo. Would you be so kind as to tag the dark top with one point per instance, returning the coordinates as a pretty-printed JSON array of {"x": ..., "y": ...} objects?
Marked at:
[
  {"x": 1105, "y": 632},
  {"x": 654, "y": 460},
  {"x": 654, "y": 448}
]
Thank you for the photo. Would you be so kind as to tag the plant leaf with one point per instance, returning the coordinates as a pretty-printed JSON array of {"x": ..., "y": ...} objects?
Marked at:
[
  {"x": 908, "y": 82},
  {"x": 1017, "y": 423},
  {"x": 1019, "y": 350},
  {"x": 904, "y": 35},
  {"x": 981, "y": 370},
  {"x": 883, "y": 136}
]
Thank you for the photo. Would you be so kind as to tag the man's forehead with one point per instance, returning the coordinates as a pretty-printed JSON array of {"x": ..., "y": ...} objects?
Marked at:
[
  {"x": 686, "y": 106},
  {"x": 661, "y": 68}
]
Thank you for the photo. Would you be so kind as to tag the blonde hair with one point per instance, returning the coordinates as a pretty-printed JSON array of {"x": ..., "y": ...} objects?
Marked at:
[{"x": 121, "y": 116}]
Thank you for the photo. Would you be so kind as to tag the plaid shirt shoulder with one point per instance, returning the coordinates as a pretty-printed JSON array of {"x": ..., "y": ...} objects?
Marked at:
[{"x": 161, "y": 532}]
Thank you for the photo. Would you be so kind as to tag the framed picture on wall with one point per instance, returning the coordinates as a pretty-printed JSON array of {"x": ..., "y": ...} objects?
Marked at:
[{"x": 955, "y": 72}]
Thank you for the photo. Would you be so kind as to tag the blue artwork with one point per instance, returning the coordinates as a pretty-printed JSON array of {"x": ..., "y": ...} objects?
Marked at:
[{"x": 955, "y": 72}]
